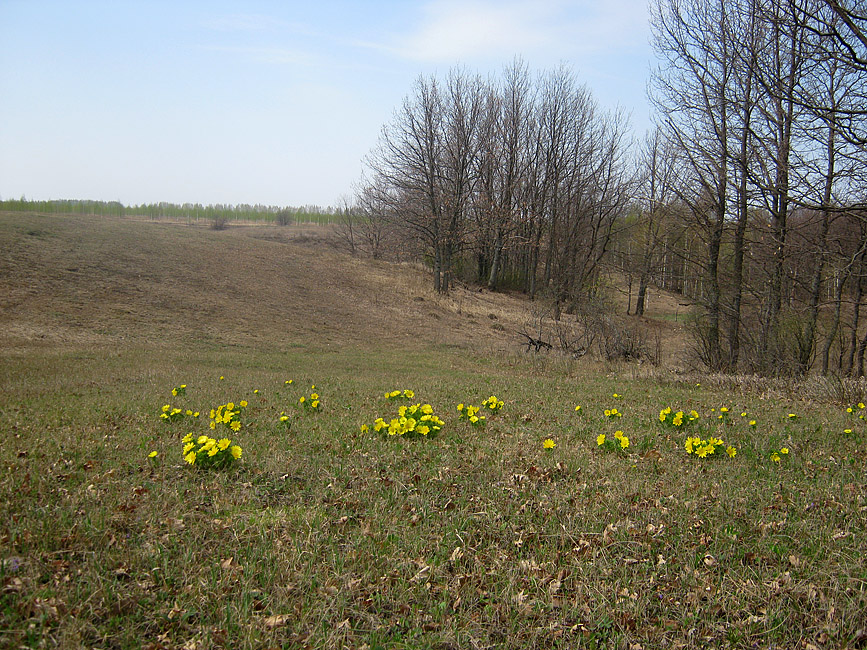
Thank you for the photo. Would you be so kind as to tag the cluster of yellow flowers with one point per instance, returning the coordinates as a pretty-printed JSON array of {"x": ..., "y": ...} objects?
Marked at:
[
  {"x": 179, "y": 390},
  {"x": 205, "y": 451},
  {"x": 855, "y": 409},
  {"x": 170, "y": 413},
  {"x": 618, "y": 442},
  {"x": 677, "y": 419},
  {"x": 612, "y": 413},
  {"x": 776, "y": 456},
  {"x": 703, "y": 448},
  {"x": 493, "y": 404},
  {"x": 400, "y": 394},
  {"x": 228, "y": 415},
  {"x": 417, "y": 420},
  {"x": 470, "y": 413},
  {"x": 311, "y": 403}
]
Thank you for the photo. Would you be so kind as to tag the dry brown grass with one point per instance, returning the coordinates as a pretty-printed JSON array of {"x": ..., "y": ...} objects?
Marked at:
[
  {"x": 95, "y": 280},
  {"x": 74, "y": 280}
]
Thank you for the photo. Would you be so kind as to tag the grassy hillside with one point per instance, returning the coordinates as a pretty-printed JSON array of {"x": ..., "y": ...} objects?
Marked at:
[
  {"x": 102, "y": 280},
  {"x": 327, "y": 534}
]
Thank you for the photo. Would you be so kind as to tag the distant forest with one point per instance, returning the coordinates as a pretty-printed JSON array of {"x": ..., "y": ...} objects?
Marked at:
[{"x": 216, "y": 214}]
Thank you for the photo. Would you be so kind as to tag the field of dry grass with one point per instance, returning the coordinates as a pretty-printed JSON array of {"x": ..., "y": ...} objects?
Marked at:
[
  {"x": 326, "y": 534},
  {"x": 108, "y": 281}
]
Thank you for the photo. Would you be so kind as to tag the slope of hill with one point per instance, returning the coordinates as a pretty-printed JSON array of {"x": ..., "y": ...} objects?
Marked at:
[{"x": 95, "y": 280}]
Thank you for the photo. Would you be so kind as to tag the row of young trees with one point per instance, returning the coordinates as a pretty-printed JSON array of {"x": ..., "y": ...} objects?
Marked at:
[{"x": 748, "y": 197}]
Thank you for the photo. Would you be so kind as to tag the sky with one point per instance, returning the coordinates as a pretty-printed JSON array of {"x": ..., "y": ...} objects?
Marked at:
[{"x": 267, "y": 102}]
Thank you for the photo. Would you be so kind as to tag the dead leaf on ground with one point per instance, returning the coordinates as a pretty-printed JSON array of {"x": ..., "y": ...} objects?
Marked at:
[
  {"x": 423, "y": 575},
  {"x": 278, "y": 620}
]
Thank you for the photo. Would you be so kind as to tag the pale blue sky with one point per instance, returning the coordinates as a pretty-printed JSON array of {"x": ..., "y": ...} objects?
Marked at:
[{"x": 263, "y": 102}]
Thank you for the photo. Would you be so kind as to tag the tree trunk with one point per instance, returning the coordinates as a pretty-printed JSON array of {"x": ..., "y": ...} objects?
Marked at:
[
  {"x": 829, "y": 340},
  {"x": 493, "y": 278},
  {"x": 642, "y": 295},
  {"x": 856, "y": 314}
]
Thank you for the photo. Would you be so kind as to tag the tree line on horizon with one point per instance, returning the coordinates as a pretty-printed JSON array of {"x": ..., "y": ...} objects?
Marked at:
[
  {"x": 213, "y": 213},
  {"x": 749, "y": 196}
]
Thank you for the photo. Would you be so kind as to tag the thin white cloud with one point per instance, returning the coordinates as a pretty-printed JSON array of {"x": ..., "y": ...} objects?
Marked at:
[
  {"x": 271, "y": 55},
  {"x": 243, "y": 23},
  {"x": 464, "y": 29},
  {"x": 456, "y": 30}
]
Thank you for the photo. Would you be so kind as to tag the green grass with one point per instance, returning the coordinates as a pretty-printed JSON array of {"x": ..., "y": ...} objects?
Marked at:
[{"x": 326, "y": 537}]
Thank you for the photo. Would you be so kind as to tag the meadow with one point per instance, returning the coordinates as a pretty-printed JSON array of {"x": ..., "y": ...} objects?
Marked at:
[{"x": 671, "y": 510}]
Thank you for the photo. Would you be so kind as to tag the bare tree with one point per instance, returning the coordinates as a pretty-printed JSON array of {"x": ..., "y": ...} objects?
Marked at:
[{"x": 692, "y": 93}]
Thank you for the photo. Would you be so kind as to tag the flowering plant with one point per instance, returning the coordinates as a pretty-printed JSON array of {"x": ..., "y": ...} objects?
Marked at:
[
  {"x": 179, "y": 390},
  {"x": 228, "y": 415},
  {"x": 493, "y": 404},
  {"x": 170, "y": 413},
  {"x": 205, "y": 451},
  {"x": 677, "y": 419},
  {"x": 856, "y": 409},
  {"x": 311, "y": 403},
  {"x": 612, "y": 413},
  {"x": 703, "y": 448},
  {"x": 417, "y": 420},
  {"x": 400, "y": 394},
  {"x": 469, "y": 413},
  {"x": 617, "y": 442}
]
